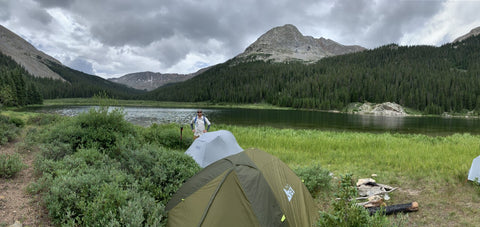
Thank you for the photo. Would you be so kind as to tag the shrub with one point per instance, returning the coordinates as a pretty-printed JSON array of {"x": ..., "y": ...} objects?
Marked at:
[
  {"x": 167, "y": 135},
  {"x": 17, "y": 122},
  {"x": 314, "y": 177},
  {"x": 98, "y": 128},
  {"x": 10, "y": 165},
  {"x": 43, "y": 119},
  {"x": 160, "y": 171},
  {"x": 99, "y": 170},
  {"x": 345, "y": 212},
  {"x": 8, "y": 130}
]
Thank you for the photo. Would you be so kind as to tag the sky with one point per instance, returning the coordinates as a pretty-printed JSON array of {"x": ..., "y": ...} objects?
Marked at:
[{"x": 111, "y": 38}]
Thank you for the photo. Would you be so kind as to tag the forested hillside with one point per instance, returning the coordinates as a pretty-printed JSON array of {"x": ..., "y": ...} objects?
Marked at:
[
  {"x": 426, "y": 78},
  {"x": 19, "y": 88},
  {"x": 16, "y": 89},
  {"x": 81, "y": 85}
]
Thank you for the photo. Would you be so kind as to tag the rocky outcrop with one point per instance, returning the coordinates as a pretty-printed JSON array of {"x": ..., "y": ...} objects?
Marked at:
[
  {"x": 473, "y": 32},
  {"x": 26, "y": 55},
  {"x": 286, "y": 43},
  {"x": 383, "y": 109}
]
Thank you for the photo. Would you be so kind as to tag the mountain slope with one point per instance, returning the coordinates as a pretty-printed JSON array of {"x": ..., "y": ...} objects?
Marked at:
[
  {"x": 473, "y": 32},
  {"x": 33, "y": 60},
  {"x": 286, "y": 43},
  {"x": 50, "y": 76},
  {"x": 426, "y": 78}
]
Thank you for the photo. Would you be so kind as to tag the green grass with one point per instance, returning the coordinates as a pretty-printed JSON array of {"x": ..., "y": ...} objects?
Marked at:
[
  {"x": 429, "y": 170},
  {"x": 389, "y": 155}
]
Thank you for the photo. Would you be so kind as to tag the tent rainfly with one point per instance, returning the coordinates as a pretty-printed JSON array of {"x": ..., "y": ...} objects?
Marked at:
[
  {"x": 213, "y": 146},
  {"x": 251, "y": 188},
  {"x": 474, "y": 173}
]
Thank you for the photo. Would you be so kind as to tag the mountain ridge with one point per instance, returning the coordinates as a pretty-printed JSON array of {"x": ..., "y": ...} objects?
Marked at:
[
  {"x": 286, "y": 43},
  {"x": 151, "y": 80},
  {"x": 34, "y": 61}
]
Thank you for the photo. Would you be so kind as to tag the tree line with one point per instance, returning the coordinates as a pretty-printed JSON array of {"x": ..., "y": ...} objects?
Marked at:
[
  {"x": 16, "y": 88},
  {"x": 427, "y": 78},
  {"x": 20, "y": 88}
]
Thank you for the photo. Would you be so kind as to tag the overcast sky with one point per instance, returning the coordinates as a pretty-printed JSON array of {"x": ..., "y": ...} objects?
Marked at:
[{"x": 111, "y": 38}]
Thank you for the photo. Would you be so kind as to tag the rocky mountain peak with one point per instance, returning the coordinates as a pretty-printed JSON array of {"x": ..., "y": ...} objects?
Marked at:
[
  {"x": 286, "y": 43},
  {"x": 473, "y": 32},
  {"x": 33, "y": 60}
]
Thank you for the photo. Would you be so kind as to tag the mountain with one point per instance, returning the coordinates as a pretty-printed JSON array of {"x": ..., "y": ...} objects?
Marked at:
[
  {"x": 286, "y": 43},
  {"x": 429, "y": 79},
  {"x": 34, "y": 61},
  {"x": 21, "y": 63},
  {"x": 473, "y": 32},
  {"x": 150, "y": 80}
]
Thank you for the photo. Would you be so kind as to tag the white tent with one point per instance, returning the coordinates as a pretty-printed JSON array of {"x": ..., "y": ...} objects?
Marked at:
[
  {"x": 213, "y": 146},
  {"x": 475, "y": 170}
]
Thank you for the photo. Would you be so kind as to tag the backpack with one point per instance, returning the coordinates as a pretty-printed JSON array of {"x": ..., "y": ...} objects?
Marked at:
[{"x": 204, "y": 120}]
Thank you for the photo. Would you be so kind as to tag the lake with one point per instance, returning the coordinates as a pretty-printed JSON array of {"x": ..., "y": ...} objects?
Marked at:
[{"x": 297, "y": 119}]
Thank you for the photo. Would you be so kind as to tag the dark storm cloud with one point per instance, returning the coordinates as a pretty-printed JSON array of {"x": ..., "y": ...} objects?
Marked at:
[
  {"x": 381, "y": 22},
  {"x": 55, "y": 3}
]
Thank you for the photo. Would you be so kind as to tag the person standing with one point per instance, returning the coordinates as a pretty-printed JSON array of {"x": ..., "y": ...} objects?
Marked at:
[{"x": 199, "y": 124}]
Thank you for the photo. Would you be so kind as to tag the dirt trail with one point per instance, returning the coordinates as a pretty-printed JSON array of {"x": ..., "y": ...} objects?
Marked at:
[{"x": 15, "y": 203}]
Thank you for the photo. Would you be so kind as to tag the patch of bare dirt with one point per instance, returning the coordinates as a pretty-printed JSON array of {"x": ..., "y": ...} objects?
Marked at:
[{"x": 15, "y": 203}]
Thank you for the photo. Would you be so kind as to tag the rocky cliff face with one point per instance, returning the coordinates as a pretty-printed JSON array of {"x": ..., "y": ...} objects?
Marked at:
[
  {"x": 286, "y": 43},
  {"x": 473, "y": 32},
  {"x": 33, "y": 60}
]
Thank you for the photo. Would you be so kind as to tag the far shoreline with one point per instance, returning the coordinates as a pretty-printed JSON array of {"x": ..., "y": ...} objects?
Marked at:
[{"x": 167, "y": 104}]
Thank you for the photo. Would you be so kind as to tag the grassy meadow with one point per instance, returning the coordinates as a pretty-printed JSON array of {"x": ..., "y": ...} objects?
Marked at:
[{"x": 429, "y": 170}]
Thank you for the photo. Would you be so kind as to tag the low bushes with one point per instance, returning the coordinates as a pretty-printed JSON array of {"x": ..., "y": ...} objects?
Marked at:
[
  {"x": 9, "y": 128},
  {"x": 99, "y": 170},
  {"x": 10, "y": 165},
  {"x": 314, "y": 177}
]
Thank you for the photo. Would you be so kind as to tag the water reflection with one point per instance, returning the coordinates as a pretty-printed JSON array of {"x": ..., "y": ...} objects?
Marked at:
[{"x": 385, "y": 122}]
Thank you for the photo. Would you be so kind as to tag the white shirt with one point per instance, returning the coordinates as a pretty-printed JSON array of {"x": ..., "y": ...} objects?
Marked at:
[{"x": 199, "y": 125}]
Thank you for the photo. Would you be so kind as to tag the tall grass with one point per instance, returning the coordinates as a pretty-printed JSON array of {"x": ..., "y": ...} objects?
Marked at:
[{"x": 390, "y": 156}]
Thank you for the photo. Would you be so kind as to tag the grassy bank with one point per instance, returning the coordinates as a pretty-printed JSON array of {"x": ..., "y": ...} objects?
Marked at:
[
  {"x": 147, "y": 103},
  {"x": 429, "y": 170}
]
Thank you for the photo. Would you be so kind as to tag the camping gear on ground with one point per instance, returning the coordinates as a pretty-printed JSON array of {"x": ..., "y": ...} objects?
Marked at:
[
  {"x": 474, "y": 173},
  {"x": 377, "y": 194},
  {"x": 213, "y": 146},
  {"x": 251, "y": 188}
]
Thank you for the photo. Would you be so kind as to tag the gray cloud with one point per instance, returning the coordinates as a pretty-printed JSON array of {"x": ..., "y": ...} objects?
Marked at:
[
  {"x": 123, "y": 36},
  {"x": 82, "y": 65}
]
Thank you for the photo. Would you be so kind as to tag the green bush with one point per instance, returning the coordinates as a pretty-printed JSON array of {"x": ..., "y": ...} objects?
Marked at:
[
  {"x": 98, "y": 128},
  {"x": 43, "y": 119},
  {"x": 10, "y": 165},
  {"x": 314, "y": 177},
  {"x": 99, "y": 170},
  {"x": 345, "y": 212},
  {"x": 17, "y": 122},
  {"x": 167, "y": 135},
  {"x": 8, "y": 130},
  {"x": 160, "y": 171}
]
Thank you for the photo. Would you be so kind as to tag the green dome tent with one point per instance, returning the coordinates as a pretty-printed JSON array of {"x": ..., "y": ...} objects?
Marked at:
[{"x": 251, "y": 188}]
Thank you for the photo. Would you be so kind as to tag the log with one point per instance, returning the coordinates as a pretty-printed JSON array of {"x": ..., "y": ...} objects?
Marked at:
[{"x": 387, "y": 210}]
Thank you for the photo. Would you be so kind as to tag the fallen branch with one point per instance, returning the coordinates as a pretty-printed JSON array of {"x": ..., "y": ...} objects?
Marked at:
[{"x": 387, "y": 210}]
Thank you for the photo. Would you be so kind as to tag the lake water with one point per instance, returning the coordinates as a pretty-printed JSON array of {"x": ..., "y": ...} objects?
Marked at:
[{"x": 297, "y": 119}]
